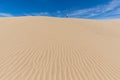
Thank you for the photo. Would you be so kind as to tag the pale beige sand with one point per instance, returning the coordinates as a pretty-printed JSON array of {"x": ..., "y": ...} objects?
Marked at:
[{"x": 44, "y": 48}]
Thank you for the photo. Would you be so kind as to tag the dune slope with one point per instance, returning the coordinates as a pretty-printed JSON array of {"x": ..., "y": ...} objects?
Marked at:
[{"x": 44, "y": 48}]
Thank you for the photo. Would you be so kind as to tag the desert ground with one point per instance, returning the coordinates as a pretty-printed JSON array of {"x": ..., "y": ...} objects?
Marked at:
[{"x": 46, "y": 48}]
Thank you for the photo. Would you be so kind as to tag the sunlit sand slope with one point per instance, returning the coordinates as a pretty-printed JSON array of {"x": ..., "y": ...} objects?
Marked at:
[{"x": 44, "y": 48}]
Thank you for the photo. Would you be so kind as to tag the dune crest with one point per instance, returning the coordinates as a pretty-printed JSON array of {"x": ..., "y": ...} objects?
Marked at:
[{"x": 44, "y": 48}]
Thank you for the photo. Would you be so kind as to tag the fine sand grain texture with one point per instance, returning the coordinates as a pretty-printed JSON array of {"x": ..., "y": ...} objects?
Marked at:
[{"x": 44, "y": 48}]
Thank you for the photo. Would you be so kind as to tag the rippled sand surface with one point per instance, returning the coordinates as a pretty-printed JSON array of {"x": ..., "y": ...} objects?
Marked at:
[{"x": 44, "y": 48}]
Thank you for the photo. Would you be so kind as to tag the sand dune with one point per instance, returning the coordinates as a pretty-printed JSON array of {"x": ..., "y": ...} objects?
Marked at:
[{"x": 44, "y": 48}]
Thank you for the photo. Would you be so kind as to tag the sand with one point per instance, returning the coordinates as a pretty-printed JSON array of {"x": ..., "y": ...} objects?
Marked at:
[{"x": 45, "y": 48}]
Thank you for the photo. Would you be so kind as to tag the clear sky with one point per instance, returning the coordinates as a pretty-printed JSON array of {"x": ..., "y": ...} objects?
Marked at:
[{"x": 95, "y": 9}]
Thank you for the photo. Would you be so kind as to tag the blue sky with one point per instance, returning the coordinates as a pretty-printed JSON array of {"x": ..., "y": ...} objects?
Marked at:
[{"x": 92, "y": 9}]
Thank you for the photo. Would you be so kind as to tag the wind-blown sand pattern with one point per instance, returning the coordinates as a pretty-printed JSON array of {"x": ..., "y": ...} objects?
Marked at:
[{"x": 44, "y": 48}]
